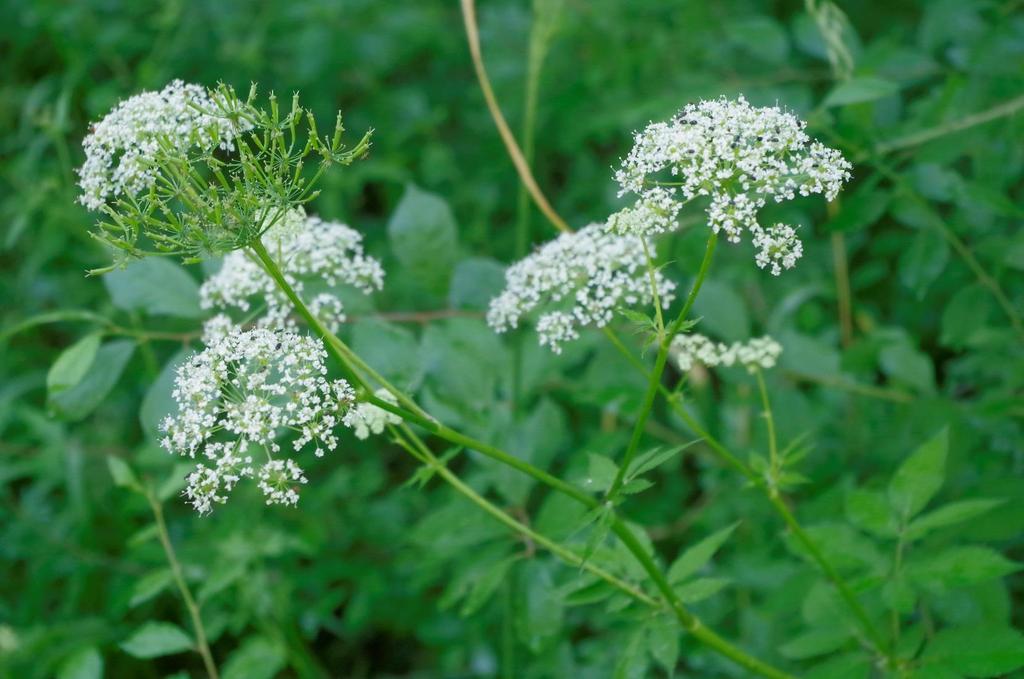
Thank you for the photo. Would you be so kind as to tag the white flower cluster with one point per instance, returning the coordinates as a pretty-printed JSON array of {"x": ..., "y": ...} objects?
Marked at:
[
  {"x": 588, "y": 274},
  {"x": 238, "y": 396},
  {"x": 366, "y": 418},
  {"x": 738, "y": 155},
  {"x": 308, "y": 250},
  {"x": 759, "y": 352},
  {"x": 121, "y": 148}
]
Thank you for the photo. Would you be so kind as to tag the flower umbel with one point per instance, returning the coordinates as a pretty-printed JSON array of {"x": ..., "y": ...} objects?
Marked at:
[
  {"x": 366, "y": 418},
  {"x": 692, "y": 349},
  {"x": 192, "y": 171},
  {"x": 738, "y": 155},
  {"x": 310, "y": 252},
  {"x": 585, "y": 276},
  {"x": 238, "y": 396}
]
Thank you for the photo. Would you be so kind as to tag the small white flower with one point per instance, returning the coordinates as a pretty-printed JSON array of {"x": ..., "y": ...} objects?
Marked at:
[
  {"x": 741, "y": 157},
  {"x": 310, "y": 252},
  {"x": 692, "y": 349},
  {"x": 238, "y": 396},
  {"x": 579, "y": 280},
  {"x": 366, "y": 418},
  {"x": 121, "y": 148}
]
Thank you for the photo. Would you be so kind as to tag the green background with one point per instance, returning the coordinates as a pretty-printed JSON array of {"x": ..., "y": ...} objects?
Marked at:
[{"x": 370, "y": 578}]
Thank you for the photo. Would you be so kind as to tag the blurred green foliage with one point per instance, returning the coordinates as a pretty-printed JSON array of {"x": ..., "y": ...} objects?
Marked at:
[{"x": 371, "y": 578}]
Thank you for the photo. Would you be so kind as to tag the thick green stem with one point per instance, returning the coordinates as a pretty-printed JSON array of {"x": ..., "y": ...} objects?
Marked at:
[{"x": 654, "y": 379}]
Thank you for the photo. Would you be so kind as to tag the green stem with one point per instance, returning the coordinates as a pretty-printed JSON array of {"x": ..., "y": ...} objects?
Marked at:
[
  {"x": 780, "y": 506},
  {"x": 688, "y": 620},
  {"x": 773, "y": 448},
  {"x": 350, "y": 362},
  {"x": 1002, "y": 110},
  {"x": 202, "y": 646},
  {"x": 654, "y": 379}
]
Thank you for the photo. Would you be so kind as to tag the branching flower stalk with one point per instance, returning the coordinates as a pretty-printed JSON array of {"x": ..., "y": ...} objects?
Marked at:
[{"x": 355, "y": 369}]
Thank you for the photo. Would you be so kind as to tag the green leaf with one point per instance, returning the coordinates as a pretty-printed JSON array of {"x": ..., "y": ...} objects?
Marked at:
[
  {"x": 542, "y": 608},
  {"x": 158, "y": 402},
  {"x": 122, "y": 474},
  {"x": 694, "y": 558},
  {"x": 72, "y": 364},
  {"x": 761, "y": 37},
  {"x": 155, "y": 286},
  {"x": 654, "y": 458},
  {"x": 601, "y": 473},
  {"x": 724, "y": 312},
  {"x": 987, "y": 650},
  {"x": 919, "y": 477},
  {"x": 948, "y": 515},
  {"x": 965, "y": 316},
  {"x": 961, "y": 566},
  {"x": 156, "y": 639},
  {"x": 663, "y": 643},
  {"x": 391, "y": 350},
  {"x": 923, "y": 262},
  {"x": 475, "y": 282},
  {"x": 700, "y": 589},
  {"x": 85, "y": 663},
  {"x": 814, "y": 643},
  {"x": 860, "y": 90},
  {"x": 632, "y": 659},
  {"x": 423, "y": 236},
  {"x": 905, "y": 363},
  {"x": 486, "y": 585},
  {"x": 78, "y": 401},
  {"x": 149, "y": 585},
  {"x": 257, "y": 658},
  {"x": 870, "y": 511}
]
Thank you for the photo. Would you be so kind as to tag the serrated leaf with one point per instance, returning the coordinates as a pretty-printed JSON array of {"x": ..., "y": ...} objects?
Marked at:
[
  {"x": 986, "y": 650},
  {"x": 919, "y": 477},
  {"x": 635, "y": 486},
  {"x": 156, "y": 639},
  {"x": 694, "y": 558},
  {"x": 948, "y": 515}
]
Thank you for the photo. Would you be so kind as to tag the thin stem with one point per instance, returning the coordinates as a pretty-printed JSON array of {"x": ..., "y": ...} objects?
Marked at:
[
  {"x": 353, "y": 364},
  {"x": 844, "y": 295},
  {"x": 780, "y": 506},
  {"x": 654, "y": 378},
  {"x": 773, "y": 447},
  {"x": 1000, "y": 111},
  {"x": 514, "y": 152},
  {"x": 202, "y": 646},
  {"x": 689, "y": 621}
]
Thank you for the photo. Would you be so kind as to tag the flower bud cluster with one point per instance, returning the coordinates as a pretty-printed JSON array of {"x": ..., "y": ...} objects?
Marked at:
[
  {"x": 579, "y": 280},
  {"x": 237, "y": 397},
  {"x": 310, "y": 252},
  {"x": 121, "y": 149},
  {"x": 692, "y": 349},
  {"x": 738, "y": 155}
]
